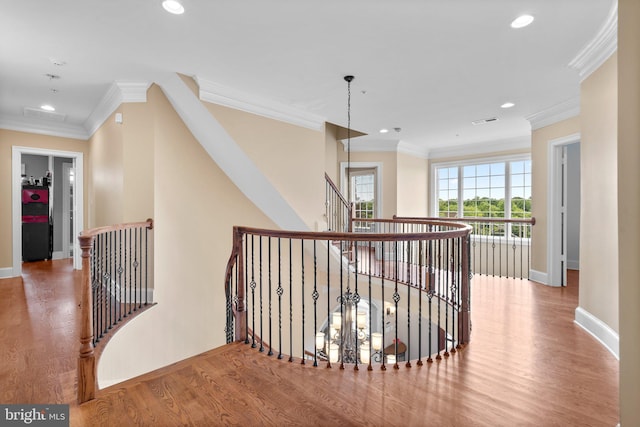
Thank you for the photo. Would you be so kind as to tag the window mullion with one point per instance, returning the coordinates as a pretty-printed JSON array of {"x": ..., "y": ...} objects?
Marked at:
[
  {"x": 507, "y": 198},
  {"x": 460, "y": 192}
]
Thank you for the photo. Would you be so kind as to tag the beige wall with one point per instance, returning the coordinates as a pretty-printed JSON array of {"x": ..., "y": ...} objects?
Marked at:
[
  {"x": 121, "y": 161},
  {"x": 599, "y": 198},
  {"x": 540, "y": 139},
  {"x": 138, "y": 155},
  {"x": 195, "y": 208},
  {"x": 628, "y": 208},
  {"x": 290, "y": 157},
  {"x": 332, "y": 146},
  {"x": 412, "y": 185},
  {"x": 8, "y": 139},
  {"x": 106, "y": 182}
]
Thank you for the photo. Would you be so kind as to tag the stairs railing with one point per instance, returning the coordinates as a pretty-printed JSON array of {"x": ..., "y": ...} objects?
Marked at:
[
  {"x": 339, "y": 211},
  {"x": 499, "y": 246},
  {"x": 116, "y": 286},
  {"x": 285, "y": 289}
]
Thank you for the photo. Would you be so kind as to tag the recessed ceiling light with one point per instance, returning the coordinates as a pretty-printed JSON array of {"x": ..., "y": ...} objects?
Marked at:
[
  {"x": 173, "y": 6},
  {"x": 507, "y": 105},
  {"x": 384, "y": 130},
  {"x": 47, "y": 107},
  {"x": 522, "y": 21}
]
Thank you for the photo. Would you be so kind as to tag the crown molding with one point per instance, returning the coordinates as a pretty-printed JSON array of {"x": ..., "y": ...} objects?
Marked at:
[
  {"x": 555, "y": 113},
  {"x": 117, "y": 94},
  {"x": 43, "y": 127},
  {"x": 412, "y": 150},
  {"x": 378, "y": 145},
  {"x": 218, "y": 94},
  {"x": 516, "y": 143},
  {"x": 600, "y": 48},
  {"x": 372, "y": 145}
]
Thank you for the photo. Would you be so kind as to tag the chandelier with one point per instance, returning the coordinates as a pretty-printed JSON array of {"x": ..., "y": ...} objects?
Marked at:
[{"x": 346, "y": 338}]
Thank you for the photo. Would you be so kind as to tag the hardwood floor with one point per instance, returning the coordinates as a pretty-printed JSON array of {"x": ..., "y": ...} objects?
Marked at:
[
  {"x": 39, "y": 321},
  {"x": 528, "y": 364}
]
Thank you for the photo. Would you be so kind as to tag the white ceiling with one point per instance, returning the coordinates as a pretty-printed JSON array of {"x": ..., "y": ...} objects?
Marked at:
[{"x": 429, "y": 67}]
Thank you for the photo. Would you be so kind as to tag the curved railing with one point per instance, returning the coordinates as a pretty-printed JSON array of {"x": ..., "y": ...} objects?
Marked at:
[
  {"x": 116, "y": 286},
  {"x": 351, "y": 298}
]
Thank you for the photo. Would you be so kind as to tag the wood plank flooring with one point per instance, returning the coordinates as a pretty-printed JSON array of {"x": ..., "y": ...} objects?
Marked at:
[{"x": 528, "y": 364}]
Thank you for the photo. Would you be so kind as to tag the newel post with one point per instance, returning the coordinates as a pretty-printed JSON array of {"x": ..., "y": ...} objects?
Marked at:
[
  {"x": 241, "y": 319},
  {"x": 465, "y": 318},
  {"x": 87, "y": 360}
]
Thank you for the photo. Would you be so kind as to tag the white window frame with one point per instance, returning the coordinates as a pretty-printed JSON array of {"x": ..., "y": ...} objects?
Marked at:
[
  {"x": 378, "y": 184},
  {"x": 460, "y": 164}
]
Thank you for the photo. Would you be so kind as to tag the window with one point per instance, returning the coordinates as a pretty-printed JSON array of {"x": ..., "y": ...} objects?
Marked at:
[
  {"x": 363, "y": 192},
  {"x": 489, "y": 189}
]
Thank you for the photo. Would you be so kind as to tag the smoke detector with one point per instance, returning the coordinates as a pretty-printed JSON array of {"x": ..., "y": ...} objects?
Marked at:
[{"x": 484, "y": 121}]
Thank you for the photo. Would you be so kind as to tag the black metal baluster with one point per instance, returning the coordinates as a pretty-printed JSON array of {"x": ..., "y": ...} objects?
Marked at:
[
  {"x": 270, "y": 353},
  {"x": 447, "y": 262},
  {"x": 409, "y": 244},
  {"x": 514, "y": 257},
  {"x": 384, "y": 258},
  {"x": 279, "y": 291},
  {"x": 302, "y": 361},
  {"x": 327, "y": 335},
  {"x": 118, "y": 284},
  {"x": 529, "y": 230},
  {"x": 112, "y": 276},
  {"x": 130, "y": 270},
  {"x": 439, "y": 291},
  {"x": 521, "y": 228},
  {"x": 261, "y": 302},
  {"x": 340, "y": 299},
  {"x": 420, "y": 290},
  {"x": 253, "y": 292},
  {"x": 454, "y": 308},
  {"x": 290, "y": 302},
  {"x": 396, "y": 299},
  {"x": 370, "y": 368},
  {"x": 245, "y": 243},
  {"x": 136, "y": 264},
  {"x": 315, "y": 295},
  {"x": 146, "y": 266},
  {"x": 356, "y": 299}
]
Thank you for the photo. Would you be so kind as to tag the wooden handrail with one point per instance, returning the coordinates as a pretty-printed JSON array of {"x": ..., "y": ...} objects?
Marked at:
[
  {"x": 531, "y": 221},
  {"x": 101, "y": 230},
  {"x": 335, "y": 188},
  {"x": 462, "y": 230}
]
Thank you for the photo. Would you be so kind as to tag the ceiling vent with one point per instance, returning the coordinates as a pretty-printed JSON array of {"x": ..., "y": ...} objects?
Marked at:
[
  {"x": 484, "y": 121},
  {"x": 41, "y": 114}
]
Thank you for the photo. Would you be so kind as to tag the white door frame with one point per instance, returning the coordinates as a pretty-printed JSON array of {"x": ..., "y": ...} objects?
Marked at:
[
  {"x": 555, "y": 273},
  {"x": 16, "y": 205},
  {"x": 66, "y": 211}
]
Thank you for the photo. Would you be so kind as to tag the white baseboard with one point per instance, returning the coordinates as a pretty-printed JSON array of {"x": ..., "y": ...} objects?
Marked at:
[
  {"x": 600, "y": 331},
  {"x": 57, "y": 255},
  {"x": 538, "y": 276},
  {"x": 6, "y": 272},
  {"x": 573, "y": 264}
]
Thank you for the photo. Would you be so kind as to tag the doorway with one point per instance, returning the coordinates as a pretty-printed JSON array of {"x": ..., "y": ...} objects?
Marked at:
[
  {"x": 75, "y": 202},
  {"x": 563, "y": 208}
]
